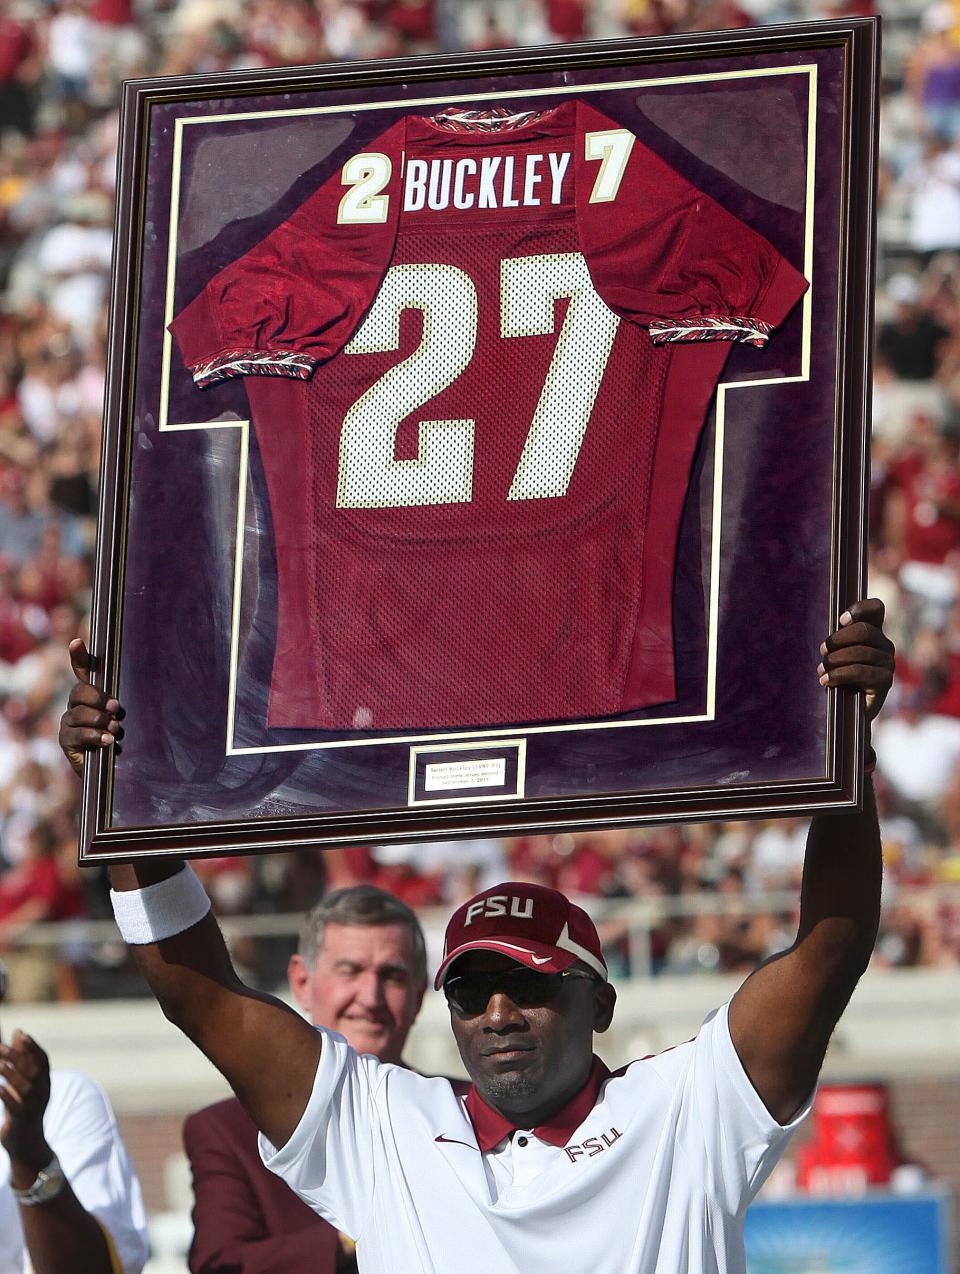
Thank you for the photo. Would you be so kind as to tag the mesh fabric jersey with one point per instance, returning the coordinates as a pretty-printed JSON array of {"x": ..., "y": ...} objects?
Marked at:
[{"x": 478, "y": 360}]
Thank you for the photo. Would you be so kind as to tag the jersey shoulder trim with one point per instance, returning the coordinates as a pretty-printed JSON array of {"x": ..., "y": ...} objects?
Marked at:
[
  {"x": 253, "y": 363},
  {"x": 710, "y": 327}
]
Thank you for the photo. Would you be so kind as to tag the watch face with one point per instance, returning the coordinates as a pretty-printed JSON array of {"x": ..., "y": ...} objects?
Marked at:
[{"x": 50, "y": 1181}]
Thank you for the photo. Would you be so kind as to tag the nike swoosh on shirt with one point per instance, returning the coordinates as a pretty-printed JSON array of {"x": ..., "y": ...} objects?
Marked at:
[{"x": 452, "y": 1141}]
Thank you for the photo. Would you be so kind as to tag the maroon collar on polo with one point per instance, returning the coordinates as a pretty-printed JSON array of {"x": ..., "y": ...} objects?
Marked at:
[{"x": 491, "y": 1127}]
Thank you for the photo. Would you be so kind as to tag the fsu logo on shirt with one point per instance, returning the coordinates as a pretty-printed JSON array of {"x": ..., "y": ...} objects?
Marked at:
[{"x": 593, "y": 1145}]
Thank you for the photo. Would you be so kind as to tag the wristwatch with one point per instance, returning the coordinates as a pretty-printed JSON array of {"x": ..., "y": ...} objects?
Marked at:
[{"x": 50, "y": 1181}]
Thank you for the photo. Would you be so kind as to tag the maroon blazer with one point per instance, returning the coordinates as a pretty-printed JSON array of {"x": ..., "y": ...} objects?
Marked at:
[{"x": 245, "y": 1220}]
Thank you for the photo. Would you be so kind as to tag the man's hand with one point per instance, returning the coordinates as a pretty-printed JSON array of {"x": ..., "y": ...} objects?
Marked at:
[
  {"x": 91, "y": 719},
  {"x": 859, "y": 655},
  {"x": 25, "y": 1071}
]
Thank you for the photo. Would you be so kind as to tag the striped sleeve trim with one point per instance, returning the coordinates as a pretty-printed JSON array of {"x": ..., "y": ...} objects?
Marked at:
[
  {"x": 706, "y": 327},
  {"x": 253, "y": 363}
]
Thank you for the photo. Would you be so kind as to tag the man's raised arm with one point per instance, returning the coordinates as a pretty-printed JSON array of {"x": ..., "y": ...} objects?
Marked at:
[
  {"x": 782, "y": 1017},
  {"x": 267, "y": 1052}
]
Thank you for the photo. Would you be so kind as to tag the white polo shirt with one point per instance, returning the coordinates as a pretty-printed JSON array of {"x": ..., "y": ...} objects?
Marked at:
[
  {"x": 655, "y": 1179},
  {"x": 81, "y": 1130}
]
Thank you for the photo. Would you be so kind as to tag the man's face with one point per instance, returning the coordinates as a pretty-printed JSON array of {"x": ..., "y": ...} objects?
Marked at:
[
  {"x": 530, "y": 1062},
  {"x": 363, "y": 985}
]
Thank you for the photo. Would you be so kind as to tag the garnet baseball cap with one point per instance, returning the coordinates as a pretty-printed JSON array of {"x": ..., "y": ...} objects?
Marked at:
[{"x": 531, "y": 924}]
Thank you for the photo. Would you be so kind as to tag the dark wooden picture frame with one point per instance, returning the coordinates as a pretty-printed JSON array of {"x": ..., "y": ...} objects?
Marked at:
[{"x": 778, "y": 127}]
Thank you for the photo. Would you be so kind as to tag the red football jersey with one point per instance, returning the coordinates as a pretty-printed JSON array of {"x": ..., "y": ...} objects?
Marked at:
[{"x": 478, "y": 360}]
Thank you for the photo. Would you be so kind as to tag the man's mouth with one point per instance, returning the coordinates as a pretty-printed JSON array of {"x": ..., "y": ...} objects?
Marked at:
[{"x": 507, "y": 1052}]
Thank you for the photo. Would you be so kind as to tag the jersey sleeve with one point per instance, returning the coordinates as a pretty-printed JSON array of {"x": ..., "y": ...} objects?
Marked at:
[
  {"x": 726, "y": 1134},
  {"x": 329, "y": 1161},
  {"x": 665, "y": 255},
  {"x": 295, "y": 298}
]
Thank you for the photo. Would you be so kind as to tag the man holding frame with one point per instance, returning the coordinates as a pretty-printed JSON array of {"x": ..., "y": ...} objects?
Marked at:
[{"x": 550, "y": 1162}]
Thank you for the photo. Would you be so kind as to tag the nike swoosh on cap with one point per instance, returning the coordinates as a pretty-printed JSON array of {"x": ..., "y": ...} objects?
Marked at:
[{"x": 541, "y": 959}]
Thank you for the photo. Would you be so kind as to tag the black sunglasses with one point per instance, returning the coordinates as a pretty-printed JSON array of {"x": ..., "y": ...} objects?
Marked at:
[{"x": 470, "y": 994}]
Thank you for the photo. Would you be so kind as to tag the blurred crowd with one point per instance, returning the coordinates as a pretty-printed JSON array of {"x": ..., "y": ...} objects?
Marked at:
[{"x": 61, "y": 63}]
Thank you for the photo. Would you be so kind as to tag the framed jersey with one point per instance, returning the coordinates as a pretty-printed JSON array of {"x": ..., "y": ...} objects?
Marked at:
[{"x": 485, "y": 442}]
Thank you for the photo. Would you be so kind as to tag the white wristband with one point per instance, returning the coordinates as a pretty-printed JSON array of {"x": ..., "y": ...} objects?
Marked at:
[{"x": 162, "y": 910}]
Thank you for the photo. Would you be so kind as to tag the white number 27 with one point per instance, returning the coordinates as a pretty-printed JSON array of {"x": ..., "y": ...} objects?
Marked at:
[{"x": 371, "y": 477}]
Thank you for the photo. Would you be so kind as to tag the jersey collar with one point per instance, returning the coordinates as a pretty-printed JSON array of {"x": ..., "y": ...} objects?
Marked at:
[
  {"x": 491, "y": 1127},
  {"x": 466, "y": 128}
]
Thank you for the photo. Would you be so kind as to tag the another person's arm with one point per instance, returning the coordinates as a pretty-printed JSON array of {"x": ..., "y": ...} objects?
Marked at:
[
  {"x": 782, "y": 1017},
  {"x": 267, "y": 1052},
  {"x": 62, "y": 1237}
]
